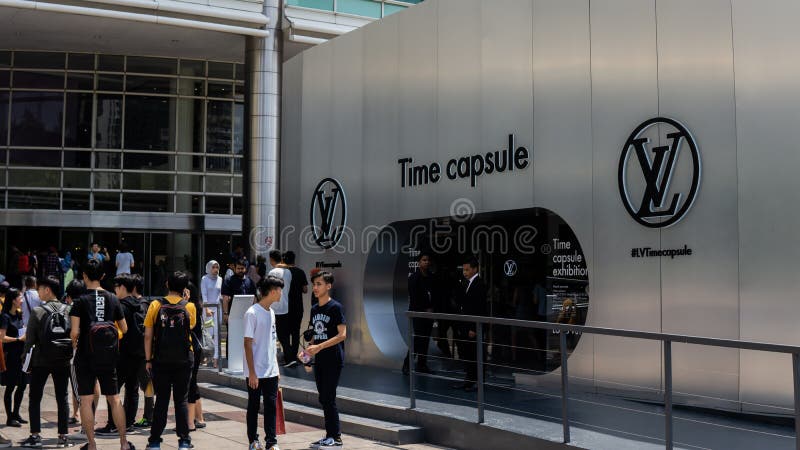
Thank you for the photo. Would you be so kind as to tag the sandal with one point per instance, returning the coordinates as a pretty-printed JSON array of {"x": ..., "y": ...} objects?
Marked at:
[{"x": 198, "y": 424}]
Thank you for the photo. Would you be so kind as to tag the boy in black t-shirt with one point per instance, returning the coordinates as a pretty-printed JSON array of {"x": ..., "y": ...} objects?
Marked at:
[
  {"x": 97, "y": 319},
  {"x": 330, "y": 331}
]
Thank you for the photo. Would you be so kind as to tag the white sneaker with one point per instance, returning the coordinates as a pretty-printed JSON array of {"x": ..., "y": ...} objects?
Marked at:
[
  {"x": 316, "y": 444},
  {"x": 255, "y": 445},
  {"x": 327, "y": 444}
]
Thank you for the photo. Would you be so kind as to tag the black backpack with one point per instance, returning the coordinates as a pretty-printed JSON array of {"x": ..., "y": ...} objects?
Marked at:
[
  {"x": 172, "y": 332},
  {"x": 103, "y": 340},
  {"x": 133, "y": 341},
  {"x": 56, "y": 346}
]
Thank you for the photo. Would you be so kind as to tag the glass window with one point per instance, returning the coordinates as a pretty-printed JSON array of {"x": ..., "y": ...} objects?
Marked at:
[
  {"x": 240, "y": 74},
  {"x": 106, "y": 180},
  {"x": 38, "y": 80},
  {"x": 34, "y": 178},
  {"x": 107, "y": 160},
  {"x": 106, "y": 201},
  {"x": 218, "y": 185},
  {"x": 74, "y": 179},
  {"x": 220, "y": 70},
  {"x": 149, "y": 161},
  {"x": 218, "y": 164},
  {"x": 35, "y": 158},
  {"x": 75, "y": 200},
  {"x": 191, "y": 87},
  {"x": 239, "y": 92},
  {"x": 111, "y": 63},
  {"x": 218, "y": 205},
  {"x": 218, "y": 123},
  {"x": 367, "y": 8},
  {"x": 3, "y": 118},
  {"x": 190, "y": 183},
  {"x": 108, "y": 121},
  {"x": 80, "y": 61},
  {"x": 39, "y": 60},
  {"x": 148, "y": 202},
  {"x": 106, "y": 82},
  {"x": 221, "y": 90},
  {"x": 237, "y": 206},
  {"x": 5, "y": 79},
  {"x": 188, "y": 203},
  {"x": 2, "y": 184},
  {"x": 238, "y": 128},
  {"x": 150, "y": 85},
  {"x": 80, "y": 81},
  {"x": 237, "y": 185},
  {"x": 78, "y": 120},
  {"x": 2, "y": 160},
  {"x": 327, "y": 5},
  {"x": 5, "y": 59},
  {"x": 237, "y": 165},
  {"x": 149, "y": 123},
  {"x": 389, "y": 9},
  {"x": 28, "y": 199},
  {"x": 142, "y": 64},
  {"x": 190, "y": 163},
  {"x": 78, "y": 159},
  {"x": 193, "y": 68},
  {"x": 191, "y": 113},
  {"x": 149, "y": 181},
  {"x": 36, "y": 118}
]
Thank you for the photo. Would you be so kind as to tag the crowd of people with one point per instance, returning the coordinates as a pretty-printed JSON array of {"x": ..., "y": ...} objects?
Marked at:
[{"x": 74, "y": 332}]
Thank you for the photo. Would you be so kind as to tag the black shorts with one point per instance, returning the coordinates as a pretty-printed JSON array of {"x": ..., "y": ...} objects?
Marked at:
[
  {"x": 86, "y": 378},
  {"x": 131, "y": 366}
]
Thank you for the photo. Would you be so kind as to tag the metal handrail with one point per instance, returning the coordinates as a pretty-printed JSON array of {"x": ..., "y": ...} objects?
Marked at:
[{"x": 666, "y": 338}]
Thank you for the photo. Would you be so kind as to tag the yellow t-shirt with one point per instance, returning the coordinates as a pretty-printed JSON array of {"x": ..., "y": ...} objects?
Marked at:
[{"x": 155, "y": 307}]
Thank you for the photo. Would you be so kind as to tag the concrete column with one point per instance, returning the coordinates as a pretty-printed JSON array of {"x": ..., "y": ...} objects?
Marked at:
[{"x": 263, "y": 63}]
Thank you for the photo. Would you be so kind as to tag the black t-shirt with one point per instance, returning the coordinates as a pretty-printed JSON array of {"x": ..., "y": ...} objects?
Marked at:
[
  {"x": 296, "y": 290},
  {"x": 12, "y": 325},
  {"x": 95, "y": 305},
  {"x": 325, "y": 321},
  {"x": 238, "y": 286}
]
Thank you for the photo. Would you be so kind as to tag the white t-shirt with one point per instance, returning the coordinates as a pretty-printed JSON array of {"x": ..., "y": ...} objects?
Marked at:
[
  {"x": 259, "y": 324},
  {"x": 282, "y": 307},
  {"x": 124, "y": 261},
  {"x": 30, "y": 300}
]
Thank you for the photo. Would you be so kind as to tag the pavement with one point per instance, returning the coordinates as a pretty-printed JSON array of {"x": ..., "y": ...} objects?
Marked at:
[{"x": 226, "y": 430}]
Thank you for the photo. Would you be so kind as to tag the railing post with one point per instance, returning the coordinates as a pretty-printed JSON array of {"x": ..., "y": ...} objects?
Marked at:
[
  {"x": 479, "y": 354},
  {"x": 562, "y": 344},
  {"x": 218, "y": 335},
  {"x": 668, "y": 394},
  {"x": 796, "y": 372},
  {"x": 411, "y": 363}
]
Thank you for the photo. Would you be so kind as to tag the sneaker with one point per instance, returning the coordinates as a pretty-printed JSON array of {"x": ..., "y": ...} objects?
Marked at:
[
  {"x": 33, "y": 441},
  {"x": 184, "y": 445},
  {"x": 291, "y": 364},
  {"x": 142, "y": 423},
  {"x": 64, "y": 442},
  {"x": 331, "y": 444},
  {"x": 255, "y": 445},
  {"x": 80, "y": 434},
  {"x": 5, "y": 442},
  {"x": 20, "y": 419},
  {"x": 153, "y": 446},
  {"x": 13, "y": 423},
  {"x": 108, "y": 430}
]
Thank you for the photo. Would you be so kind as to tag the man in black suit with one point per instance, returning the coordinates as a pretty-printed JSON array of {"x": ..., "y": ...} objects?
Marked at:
[
  {"x": 420, "y": 298},
  {"x": 472, "y": 302}
]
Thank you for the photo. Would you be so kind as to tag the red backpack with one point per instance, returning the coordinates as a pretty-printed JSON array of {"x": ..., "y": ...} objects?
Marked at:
[{"x": 23, "y": 264}]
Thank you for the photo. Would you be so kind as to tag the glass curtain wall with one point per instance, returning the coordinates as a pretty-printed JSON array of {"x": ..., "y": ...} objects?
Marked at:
[{"x": 92, "y": 132}]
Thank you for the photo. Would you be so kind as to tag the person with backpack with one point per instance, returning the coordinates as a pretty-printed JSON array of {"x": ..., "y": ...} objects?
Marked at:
[
  {"x": 130, "y": 370},
  {"x": 169, "y": 357},
  {"x": 146, "y": 383},
  {"x": 97, "y": 325},
  {"x": 48, "y": 335},
  {"x": 12, "y": 335}
]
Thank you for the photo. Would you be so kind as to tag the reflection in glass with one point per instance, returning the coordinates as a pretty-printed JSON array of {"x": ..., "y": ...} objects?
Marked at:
[
  {"x": 74, "y": 179},
  {"x": 39, "y": 60},
  {"x": 190, "y": 163},
  {"x": 237, "y": 185},
  {"x": 218, "y": 205},
  {"x": 75, "y": 201},
  {"x": 28, "y": 199},
  {"x": 3, "y": 118},
  {"x": 219, "y": 164},
  {"x": 188, "y": 204},
  {"x": 190, "y": 114},
  {"x": 78, "y": 159},
  {"x": 237, "y": 205},
  {"x": 78, "y": 121},
  {"x": 218, "y": 185},
  {"x": 36, "y": 118},
  {"x": 35, "y": 158},
  {"x": 148, "y": 202},
  {"x": 141, "y": 64},
  {"x": 38, "y": 80},
  {"x": 106, "y": 201},
  {"x": 149, "y": 123},
  {"x": 34, "y": 178},
  {"x": 107, "y": 160},
  {"x": 148, "y": 181},
  {"x": 148, "y": 161},
  {"x": 109, "y": 121},
  {"x": 238, "y": 128},
  {"x": 106, "y": 180},
  {"x": 218, "y": 121},
  {"x": 190, "y": 183},
  {"x": 193, "y": 68},
  {"x": 192, "y": 88}
]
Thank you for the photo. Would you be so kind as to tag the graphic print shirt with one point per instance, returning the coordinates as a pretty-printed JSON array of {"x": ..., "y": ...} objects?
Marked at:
[{"x": 325, "y": 320}]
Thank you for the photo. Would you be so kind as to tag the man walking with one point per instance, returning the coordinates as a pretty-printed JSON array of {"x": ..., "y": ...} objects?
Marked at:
[
  {"x": 48, "y": 335},
  {"x": 97, "y": 323},
  {"x": 170, "y": 357},
  {"x": 471, "y": 302},
  {"x": 261, "y": 362},
  {"x": 330, "y": 331},
  {"x": 420, "y": 298}
]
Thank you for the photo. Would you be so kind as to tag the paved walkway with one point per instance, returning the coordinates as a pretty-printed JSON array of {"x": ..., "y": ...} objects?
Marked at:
[{"x": 226, "y": 430}]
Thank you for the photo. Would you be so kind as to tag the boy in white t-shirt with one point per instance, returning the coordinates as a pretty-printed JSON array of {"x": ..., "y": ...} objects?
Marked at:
[{"x": 261, "y": 362}]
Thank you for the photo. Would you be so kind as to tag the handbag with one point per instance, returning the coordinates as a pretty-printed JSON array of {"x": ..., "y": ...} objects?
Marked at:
[
  {"x": 280, "y": 419},
  {"x": 207, "y": 342}
]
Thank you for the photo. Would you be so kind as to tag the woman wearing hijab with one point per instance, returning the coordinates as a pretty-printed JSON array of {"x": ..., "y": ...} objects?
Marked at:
[{"x": 210, "y": 289}]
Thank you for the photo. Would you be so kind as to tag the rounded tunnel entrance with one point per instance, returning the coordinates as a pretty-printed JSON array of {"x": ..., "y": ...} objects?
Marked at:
[{"x": 530, "y": 260}]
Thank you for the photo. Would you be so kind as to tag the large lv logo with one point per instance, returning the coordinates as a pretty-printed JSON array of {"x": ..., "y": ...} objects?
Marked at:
[
  {"x": 328, "y": 213},
  {"x": 658, "y": 175},
  {"x": 327, "y": 208}
]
